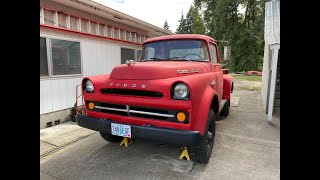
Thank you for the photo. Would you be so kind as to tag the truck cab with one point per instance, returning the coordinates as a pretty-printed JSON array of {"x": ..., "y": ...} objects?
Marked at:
[{"x": 173, "y": 94}]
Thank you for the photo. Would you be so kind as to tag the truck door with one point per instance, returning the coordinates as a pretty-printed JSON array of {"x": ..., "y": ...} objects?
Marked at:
[{"x": 216, "y": 70}]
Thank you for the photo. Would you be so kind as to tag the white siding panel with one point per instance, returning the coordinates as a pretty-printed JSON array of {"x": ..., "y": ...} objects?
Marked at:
[
  {"x": 116, "y": 56},
  {"x": 85, "y": 60},
  {"x": 104, "y": 57},
  {"x": 97, "y": 60},
  {"x": 41, "y": 98},
  {"x": 100, "y": 58},
  {"x": 55, "y": 94},
  {"x": 108, "y": 57},
  {"x": 71, "y": 93},
  {"x": 83, "y": 56},
  {"x": 89, "y": 58},
  {"x": 94, "y": 57},
  {"x": 112, "y": 57},
  {"x": 47, "y": 100},
  {"x": 63, "y": 88},
  {"x": 77, "y": 82}
]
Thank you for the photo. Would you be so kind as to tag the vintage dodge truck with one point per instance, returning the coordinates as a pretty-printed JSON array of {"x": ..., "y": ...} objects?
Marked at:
[{"x": 173, "y": 94}]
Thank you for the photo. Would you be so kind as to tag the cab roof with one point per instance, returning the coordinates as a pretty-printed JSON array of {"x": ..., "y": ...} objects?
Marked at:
[{"x": 180, "y": 36}]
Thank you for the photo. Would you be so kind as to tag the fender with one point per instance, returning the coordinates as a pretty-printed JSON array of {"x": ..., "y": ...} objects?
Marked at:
[
  {"x": 203, "y": 109},
  {"x": 227, "y": 85},
  {"x": 98, "y": 81}
]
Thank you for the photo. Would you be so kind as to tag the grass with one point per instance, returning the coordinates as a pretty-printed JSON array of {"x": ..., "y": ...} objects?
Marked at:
[{"x": 248, "y": 78}]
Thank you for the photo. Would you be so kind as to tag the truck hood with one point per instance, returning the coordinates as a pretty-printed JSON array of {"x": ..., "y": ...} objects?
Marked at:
[{"x": 157, "y": 70}]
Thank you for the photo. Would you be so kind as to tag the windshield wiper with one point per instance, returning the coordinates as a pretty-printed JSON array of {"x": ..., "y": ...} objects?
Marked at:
[
  {"x": 153, "y": 59},
  {"x": 179, "y": 58},
  {"x": 176, "y": 58}
]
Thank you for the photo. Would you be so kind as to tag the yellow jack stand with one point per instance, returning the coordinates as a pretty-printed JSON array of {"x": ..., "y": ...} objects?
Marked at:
[
  {"x": 184, "y": 153},
  {"x": 126, "y": 142}
]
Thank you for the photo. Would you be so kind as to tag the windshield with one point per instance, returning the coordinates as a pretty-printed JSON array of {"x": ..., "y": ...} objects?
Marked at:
[{"x": 191, "y": 50}]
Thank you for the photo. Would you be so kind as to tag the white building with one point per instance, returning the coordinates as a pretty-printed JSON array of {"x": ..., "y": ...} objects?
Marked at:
[
  {"x": 270, "y": 90},
  {"x": 80, "y": 38}
]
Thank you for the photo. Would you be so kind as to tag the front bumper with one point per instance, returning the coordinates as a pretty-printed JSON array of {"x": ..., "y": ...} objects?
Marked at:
[{"x": 164, "y": 135}]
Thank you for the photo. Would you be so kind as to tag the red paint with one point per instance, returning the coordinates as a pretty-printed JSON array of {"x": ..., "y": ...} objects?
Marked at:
[{"x": 160, "y": 77}]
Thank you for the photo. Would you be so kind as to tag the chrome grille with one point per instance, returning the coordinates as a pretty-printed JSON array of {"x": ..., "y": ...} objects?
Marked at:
[
  {"x": 131, "y": 92},
  {"x": 135, "y": 111}
]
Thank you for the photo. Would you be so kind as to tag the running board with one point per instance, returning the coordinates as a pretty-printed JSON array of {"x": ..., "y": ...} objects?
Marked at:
[{"x": 223, "y": 102}]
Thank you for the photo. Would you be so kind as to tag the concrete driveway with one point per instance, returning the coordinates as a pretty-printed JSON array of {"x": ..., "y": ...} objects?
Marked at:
[{"x": 246, "y": 147}]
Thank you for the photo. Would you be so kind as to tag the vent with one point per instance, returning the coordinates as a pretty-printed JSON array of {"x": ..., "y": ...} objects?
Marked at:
[{"x": 132, "y": 92}]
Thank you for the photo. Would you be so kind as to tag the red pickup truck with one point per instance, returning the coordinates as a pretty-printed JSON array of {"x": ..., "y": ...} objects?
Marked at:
[{"x": 173, "y": 94}]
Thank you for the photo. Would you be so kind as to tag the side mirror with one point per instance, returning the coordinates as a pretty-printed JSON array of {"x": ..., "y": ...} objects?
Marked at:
[{"x": 227, "y": 53}]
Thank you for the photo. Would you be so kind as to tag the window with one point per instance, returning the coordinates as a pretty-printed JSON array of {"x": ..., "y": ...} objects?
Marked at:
[
  {"x": 138, "y": 54},
  {"x": 49, "y": 17},
  {"x": 93, "y": 27},
  {"x": 84, "y": 26},
  {"x": 43, "y": 58},
  {"x": 194, "y": 50},
  {"x": 102, "y": 29},
  {"x": 148, "y": 53},
  {"x": 116, "y": 33},
  {"x": 213, "y": 54},
  {"x": 62, "y": 20},
  {"x": 65, "y": 57},
  {"x": 62, "y": 56},
  {"x": 129, "y": 54},
  {"x": 74, "y": 23}
]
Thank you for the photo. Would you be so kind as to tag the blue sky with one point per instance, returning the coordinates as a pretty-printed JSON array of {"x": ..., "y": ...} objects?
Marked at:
[{"x": 152, "y": 11}]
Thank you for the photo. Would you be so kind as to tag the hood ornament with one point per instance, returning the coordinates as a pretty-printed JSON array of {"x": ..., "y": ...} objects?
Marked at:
[{"x": 130, "y": 62}]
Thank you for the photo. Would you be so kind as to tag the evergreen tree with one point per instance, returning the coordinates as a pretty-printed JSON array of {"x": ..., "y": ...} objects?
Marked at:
[
  {"x": 166, "y": 26},
  {"x": 189, "y": 21},
  {"x": 192, "y": 24},
  {"x": 198, "y": 24},
  {"x": 182, "y": 26}
]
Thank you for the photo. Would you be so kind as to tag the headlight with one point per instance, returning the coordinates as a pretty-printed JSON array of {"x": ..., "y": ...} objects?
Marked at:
[
  {"x": 89, "y": 86},
  {"x": 180, "y": 91}
]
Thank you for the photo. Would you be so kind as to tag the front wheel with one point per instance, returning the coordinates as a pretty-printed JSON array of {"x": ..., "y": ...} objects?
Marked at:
[
  {"x": 226, "y": 109},
  {"x": 202, "y": 153}
]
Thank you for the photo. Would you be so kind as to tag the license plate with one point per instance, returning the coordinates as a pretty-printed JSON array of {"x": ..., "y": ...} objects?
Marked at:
[{"x": 121, "y": 130}]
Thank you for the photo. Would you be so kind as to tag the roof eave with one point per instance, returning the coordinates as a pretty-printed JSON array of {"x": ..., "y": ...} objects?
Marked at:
[{"x": 104, "y": 11}]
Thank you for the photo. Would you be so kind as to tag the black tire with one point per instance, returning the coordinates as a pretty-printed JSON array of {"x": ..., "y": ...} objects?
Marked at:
[
  {"x": 111, "y": 138},
  {"x": 226, "y": 109},
  {"x": 201, "y": 154}
]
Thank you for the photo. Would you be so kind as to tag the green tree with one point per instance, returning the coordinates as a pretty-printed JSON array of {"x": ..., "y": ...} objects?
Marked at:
[
  {"x": 192, "y": 24},
  {"x": 189, "y": 21},
  {"x": 198, "y": 24},
  {"x": 166, "y": 26},
  {"x": 224, "y": 21},
  {"x": 182, "y": 26}
]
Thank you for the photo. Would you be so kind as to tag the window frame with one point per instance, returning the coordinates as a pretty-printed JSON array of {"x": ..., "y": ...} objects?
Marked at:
[
  {"x": 204, "y": 41},
  {"x": 135, "y": 49},
  {"x": 49, "y": 57},
  {"x": 48, "y": 64},
  {"x": 211, "y": 44}
]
